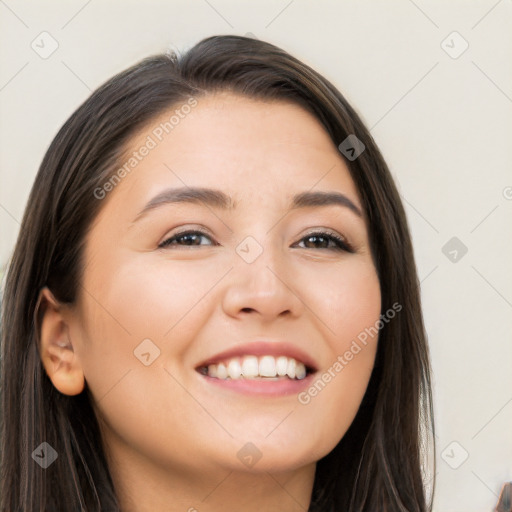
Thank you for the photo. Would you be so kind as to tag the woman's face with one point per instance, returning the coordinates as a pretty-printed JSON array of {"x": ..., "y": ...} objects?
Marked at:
[{"x": 262, "y": 278}]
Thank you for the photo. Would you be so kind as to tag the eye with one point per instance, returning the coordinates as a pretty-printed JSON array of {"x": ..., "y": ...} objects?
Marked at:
[
  {"x": 188, "y": 238},
  {"x": 322, "y": 239}
]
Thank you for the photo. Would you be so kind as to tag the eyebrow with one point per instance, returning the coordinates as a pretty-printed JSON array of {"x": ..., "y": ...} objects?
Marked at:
[{"x": 218, "y": 199}]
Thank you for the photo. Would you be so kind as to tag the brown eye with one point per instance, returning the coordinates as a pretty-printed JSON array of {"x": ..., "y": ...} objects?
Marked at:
[
  {"x": 186, "y": 238},
  {"x": 326, "y": 240}
]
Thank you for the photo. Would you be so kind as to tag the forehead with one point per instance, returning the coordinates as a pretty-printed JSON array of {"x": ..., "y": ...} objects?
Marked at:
[{"x": 250, "y": 148}]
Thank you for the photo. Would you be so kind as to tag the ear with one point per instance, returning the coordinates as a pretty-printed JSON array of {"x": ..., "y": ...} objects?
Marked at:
[{"x": 55, "y": 348}]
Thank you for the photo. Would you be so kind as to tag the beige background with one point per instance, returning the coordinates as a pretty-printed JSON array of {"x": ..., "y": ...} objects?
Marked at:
[{"x": 444, "y": 125}]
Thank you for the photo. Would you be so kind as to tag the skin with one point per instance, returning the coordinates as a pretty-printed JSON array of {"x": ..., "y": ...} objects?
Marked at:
[{"x": 172, "y": 438}]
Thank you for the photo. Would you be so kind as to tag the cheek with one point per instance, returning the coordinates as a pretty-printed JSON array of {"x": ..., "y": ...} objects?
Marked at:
[
  {"x": 140, "y": 299},
  {"x": 349, "y": 306},
  {"x": 125, "y": 306},
  {"x": 345, "y": 300},
  {"x": 150, "y": 298}
]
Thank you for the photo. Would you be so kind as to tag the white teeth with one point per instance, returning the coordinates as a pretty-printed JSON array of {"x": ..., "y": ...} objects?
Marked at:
[
  {"x": 212, "y": 370},
  {"x": 234, "y": 369},
  {"x": 250, "y": 367},
  {"x": 222, "y": 372},
  {"x": 267, "y": 366},
  {"x": 290, "y": 371},
  {"x": 281, "y": 365},
  {"x": 300, "y": 371}
]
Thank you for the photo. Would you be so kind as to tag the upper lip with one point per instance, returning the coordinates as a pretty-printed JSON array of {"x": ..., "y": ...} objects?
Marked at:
[{"x": 263, "y": 348}]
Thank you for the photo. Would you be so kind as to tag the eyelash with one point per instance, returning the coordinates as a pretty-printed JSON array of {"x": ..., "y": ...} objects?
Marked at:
[{"x": 341, "y": 244}]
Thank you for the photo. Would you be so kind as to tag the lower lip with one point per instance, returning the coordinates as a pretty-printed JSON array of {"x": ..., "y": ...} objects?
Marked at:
[{"x": 269, "y": 387}]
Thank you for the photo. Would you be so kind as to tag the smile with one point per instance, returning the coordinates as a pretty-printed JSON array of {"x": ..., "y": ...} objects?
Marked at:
[
  {"x": 261, "y": 367},
  {"x": 253, "y": 367}
]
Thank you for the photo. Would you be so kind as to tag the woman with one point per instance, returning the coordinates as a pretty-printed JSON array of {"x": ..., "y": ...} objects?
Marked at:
[{"x": 213, "y": 302}]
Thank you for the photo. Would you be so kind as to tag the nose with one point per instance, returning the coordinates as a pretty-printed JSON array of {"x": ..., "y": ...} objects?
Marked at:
[{"x": 263, "y": 287}]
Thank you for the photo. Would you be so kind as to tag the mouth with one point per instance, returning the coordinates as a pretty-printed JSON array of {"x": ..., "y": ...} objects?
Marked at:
[
  {"x": 267, "y": 368},
  {"x": 253, "y": 367}
]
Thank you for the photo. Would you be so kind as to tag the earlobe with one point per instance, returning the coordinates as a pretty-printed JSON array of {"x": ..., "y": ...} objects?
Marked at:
[{"x": 55, "y": 348}]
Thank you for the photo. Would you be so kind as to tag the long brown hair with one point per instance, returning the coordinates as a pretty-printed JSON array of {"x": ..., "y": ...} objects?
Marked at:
[{"x": 377, "y": 465}]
